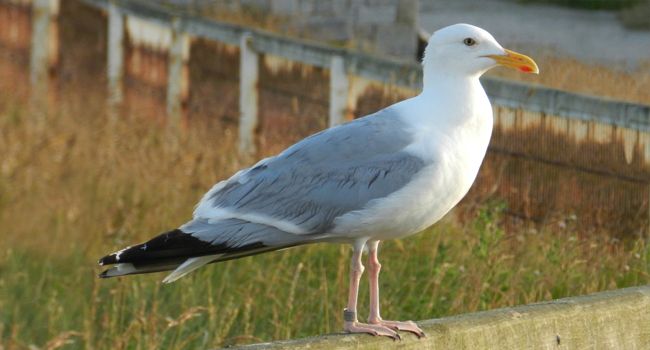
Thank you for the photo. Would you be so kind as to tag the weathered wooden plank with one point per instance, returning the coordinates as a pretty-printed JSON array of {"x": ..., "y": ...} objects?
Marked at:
[
  {"x": 618, "y": 319},
  {"x": 204, "y": 28},
  {"x": 568, "y": 105}
]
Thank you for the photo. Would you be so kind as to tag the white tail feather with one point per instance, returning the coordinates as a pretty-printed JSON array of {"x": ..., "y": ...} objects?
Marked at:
[{"x": 188, "y": 266}]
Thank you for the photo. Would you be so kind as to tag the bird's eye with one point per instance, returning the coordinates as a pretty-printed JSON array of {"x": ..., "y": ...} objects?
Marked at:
[{"x": 469, "y": 42}]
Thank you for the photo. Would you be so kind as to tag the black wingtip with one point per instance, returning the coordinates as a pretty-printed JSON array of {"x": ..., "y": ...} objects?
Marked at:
[{"x": 108, "y": 260}]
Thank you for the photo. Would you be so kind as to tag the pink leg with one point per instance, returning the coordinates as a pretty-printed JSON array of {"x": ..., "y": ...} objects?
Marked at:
[
  {"x": 352, "y": 325},
  {"x": 373, "y": 277}
]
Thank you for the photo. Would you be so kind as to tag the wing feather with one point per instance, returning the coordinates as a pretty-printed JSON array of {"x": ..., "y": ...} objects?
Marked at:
[{"x": 306, "y": 187}]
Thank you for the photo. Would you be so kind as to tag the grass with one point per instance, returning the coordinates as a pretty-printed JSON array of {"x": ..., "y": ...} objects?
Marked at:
[{"x": 74, "y": 185}]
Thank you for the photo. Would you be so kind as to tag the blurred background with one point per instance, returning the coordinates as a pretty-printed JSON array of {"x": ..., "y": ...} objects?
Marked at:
[{"x": 116, "y": 116}]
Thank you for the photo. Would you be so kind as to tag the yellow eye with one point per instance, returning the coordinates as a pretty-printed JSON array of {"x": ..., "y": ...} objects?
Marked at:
[{"x": 469, "y": 42}]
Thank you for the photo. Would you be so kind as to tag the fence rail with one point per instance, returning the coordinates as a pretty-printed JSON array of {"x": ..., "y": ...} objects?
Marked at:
[
  {"x": 618, "y": 319},
  {"x": 389, "y": 71}
]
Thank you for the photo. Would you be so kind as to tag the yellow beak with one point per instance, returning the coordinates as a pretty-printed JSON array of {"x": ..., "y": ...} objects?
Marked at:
[{"x": 517, "y": 61}]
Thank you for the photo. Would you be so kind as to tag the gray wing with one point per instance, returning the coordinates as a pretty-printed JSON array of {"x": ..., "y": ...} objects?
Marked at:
[
  {"x": 322, "y": 177},
  {"x": 236, "y": 236}
]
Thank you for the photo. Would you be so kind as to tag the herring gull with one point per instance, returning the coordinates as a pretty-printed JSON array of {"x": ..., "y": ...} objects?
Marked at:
[{"x": 384, "y": 176}]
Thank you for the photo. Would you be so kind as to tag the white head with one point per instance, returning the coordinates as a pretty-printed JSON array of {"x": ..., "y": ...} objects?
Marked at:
[{"x": 467, "y": 50}]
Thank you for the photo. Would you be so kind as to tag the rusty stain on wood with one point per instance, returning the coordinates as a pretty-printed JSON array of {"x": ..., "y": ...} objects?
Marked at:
[
  {"x": 83, "y": 59},
  {"x": 290, "y": 92},
  {"x": 15, "y": 39},
  {"x": 15, "y": 26},
  {"x": 146, "y": 67},
  {"x": 214, "y": 83},
  {"x": 377, "y": 96}
]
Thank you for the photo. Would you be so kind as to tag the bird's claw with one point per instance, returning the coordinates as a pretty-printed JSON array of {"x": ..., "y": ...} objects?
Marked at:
[
  {"x": 372, "y": 329},
  {"x": 407, "y": 326}
]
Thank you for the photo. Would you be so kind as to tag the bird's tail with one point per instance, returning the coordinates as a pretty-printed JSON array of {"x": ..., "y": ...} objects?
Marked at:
[
  {"x": 166, "y": 251},
  {"x": 195, "y": 244}
]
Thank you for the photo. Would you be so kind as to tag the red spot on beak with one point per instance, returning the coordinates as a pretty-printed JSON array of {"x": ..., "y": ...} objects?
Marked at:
[{"x": 525, "y": 69}]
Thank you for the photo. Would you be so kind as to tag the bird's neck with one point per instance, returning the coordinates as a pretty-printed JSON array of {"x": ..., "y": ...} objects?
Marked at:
[
  {"x": 449, "y": 90},
  {"x": 457, "y": 99},
  {"x": 445, "y": 83}
]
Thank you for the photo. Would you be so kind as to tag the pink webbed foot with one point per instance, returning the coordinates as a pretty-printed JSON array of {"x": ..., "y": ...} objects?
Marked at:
[
  {"x": 407, "y": 326},
  {"x": 372, "y": 329}
]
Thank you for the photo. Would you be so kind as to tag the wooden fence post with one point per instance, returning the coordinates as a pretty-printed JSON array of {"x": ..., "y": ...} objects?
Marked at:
[
  {"x": 178, "y": 75},
  {"x": 339, "y": 87},
  {"x": 115, "y": 59},
  {"x": 248, "y": 95},
  {"x": 44, "y": 48}
]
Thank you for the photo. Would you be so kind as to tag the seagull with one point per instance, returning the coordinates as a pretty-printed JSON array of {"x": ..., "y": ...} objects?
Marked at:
[{"x": 387, "y": 175}]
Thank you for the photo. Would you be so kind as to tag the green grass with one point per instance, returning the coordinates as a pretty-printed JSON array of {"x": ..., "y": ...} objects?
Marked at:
[{"x": 74, "y": 186}]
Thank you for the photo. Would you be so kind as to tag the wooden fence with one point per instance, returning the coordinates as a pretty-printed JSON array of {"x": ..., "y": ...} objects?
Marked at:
[
  {"x": 617, "y": 319},
  {"x": 552, "y": 151}
]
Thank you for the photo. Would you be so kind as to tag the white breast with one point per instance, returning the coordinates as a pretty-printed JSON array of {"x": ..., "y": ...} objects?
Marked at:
[{"x": 453, "y": 153}]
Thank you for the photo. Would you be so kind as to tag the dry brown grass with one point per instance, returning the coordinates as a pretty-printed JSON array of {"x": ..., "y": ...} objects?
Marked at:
[{"x": 72, "y": 168}]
